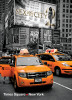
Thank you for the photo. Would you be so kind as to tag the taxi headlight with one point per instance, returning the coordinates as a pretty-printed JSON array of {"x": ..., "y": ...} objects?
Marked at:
[
  {"x": 65, "y": 64},
  {"x": 22, "y": 75},
  {"x": 49, "y": 73}
]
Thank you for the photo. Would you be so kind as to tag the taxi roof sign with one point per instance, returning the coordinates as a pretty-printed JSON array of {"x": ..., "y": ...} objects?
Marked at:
[
  {"x": 24, "y": 51},
  {"x": 51, "y": 51}
]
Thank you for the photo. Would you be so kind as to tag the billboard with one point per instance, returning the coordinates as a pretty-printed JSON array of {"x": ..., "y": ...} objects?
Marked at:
[{"x": 35, "y": 14}]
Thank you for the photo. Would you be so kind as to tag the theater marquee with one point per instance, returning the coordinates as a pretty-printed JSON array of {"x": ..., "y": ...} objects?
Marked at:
[{"x": 34, "y": 14}]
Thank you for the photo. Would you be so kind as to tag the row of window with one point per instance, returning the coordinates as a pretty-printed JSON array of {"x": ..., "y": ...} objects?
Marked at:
[
  {"x": 66, "y": 30},
  {"x": 67, "y": 1},
  {"x": 67, "y": 20},
  {"x": 67, "y": 25},
  {"x": 67, "y": 45},
  {"x": 67, "y": 10},
  {"x": 65, "y": 40},
  {"x": 66, "y": 35},
  {"x": 67, "y": 16},
  {"x": 67, "y": 6}
]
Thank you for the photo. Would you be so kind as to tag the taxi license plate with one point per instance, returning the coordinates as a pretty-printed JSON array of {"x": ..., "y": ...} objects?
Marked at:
[{"x": 38, "y": 80}]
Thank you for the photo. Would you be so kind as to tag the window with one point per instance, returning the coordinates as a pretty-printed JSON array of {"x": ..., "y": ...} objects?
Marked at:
[
  {"x": 67, "y": 20},
  {"x": 16, "y": 35},
  {"x": 63, "y": 30},
  {"x": 63, "y": 10},
  {"x": 66, "y": 30},
  {"x": 71, "y": 1},
  {"x": 67, "y": 10},
  {"x": 28, "y": 61},
  {"x": 63, "y": 15},
  {"x": 70, "y": 11},
  {"x": 63, "y": 0},
  {"x": 5, "y": 60},
  {"x": 46, "y": 57},
  {"x": 62, "y": 35},
  {"x": 66, "y": 35},
  {"x": 66, "y": 16},
  {"x": 69, "y": 40},
  {"x": 67, "y": 6},
  {"x": 63, "y": 25},
  {"x": 63, "y": 5},
  {"x": 70, "y": 6},
  {"x": 16, "y": 38},
  {"x": 69, "y": 30},
  {"x": 70, "y": 16},
  {"x": 64, "y": 40},
  {"x": 69, "y": 45},
  {"x": 63, "y": 20},
  {"x": 70, "y": 20},
  {"x": 70, "y": 25},
  {"x": 66, "y": 25}
]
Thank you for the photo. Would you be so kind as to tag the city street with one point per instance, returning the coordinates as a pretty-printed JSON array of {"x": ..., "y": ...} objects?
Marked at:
[{"x": 61, "y": 90}]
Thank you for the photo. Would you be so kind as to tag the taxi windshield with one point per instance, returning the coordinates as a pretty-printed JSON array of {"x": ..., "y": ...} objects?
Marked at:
[
  {"x": 62, "y": 57},
  {"x": 28, "y": 61}
]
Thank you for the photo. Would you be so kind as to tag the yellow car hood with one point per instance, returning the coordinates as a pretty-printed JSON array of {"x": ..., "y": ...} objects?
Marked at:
[{"x": 38, "y": 68}]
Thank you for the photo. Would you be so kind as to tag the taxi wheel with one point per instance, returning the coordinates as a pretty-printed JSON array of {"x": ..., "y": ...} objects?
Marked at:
[
  {"x": 15, "y": 85},
  {"x": 50, "y": 86},
  {"x": 57, "y": 71}
]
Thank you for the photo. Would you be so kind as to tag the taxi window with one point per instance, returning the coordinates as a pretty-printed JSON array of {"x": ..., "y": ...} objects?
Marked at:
[
  {"x": 28, "y": 61},
  {"x": 62, "y": 57},
  {"x": 5, "y": 60},
  {"x": 46, "y": 57}
]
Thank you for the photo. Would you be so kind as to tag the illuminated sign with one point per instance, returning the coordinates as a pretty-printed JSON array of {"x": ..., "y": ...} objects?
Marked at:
[{"x": 33, "y": 13}]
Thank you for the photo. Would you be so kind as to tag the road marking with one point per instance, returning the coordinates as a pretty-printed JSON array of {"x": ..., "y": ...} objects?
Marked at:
[{"x": 63, "y": 86}]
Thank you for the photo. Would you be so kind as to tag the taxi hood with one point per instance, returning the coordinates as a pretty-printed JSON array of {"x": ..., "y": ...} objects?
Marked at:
[{"x": 33, "y": 68}]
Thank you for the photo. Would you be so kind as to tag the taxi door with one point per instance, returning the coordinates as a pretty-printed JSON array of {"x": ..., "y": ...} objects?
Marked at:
[
  {"x": 49, "y": 59},
  {"x": 12, "y": 64},
  {"x": 5, "y": 67}
]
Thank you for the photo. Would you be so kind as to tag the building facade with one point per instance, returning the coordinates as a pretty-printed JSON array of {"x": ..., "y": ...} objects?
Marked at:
[
  {"x": 65, "y": 24},
  {"x": 2, "y": 8},
  {"x": 29, "y": 21},
  {"x": 3, "y": 11}
]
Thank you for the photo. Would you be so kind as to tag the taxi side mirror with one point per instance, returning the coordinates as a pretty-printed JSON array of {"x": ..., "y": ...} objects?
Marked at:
[{"x": 45, "y": 63}]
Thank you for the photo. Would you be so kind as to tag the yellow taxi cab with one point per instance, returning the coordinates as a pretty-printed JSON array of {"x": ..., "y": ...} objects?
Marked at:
[
  {"x": 59, "y": 63},
  {"x": 27, "y": 70}
]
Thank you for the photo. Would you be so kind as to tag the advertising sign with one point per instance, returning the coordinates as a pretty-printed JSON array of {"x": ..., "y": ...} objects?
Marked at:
[
  {"x": 34, "y": 34},
  {"x": 47, "y": 35},
  {"x": 34, "y": 13}
]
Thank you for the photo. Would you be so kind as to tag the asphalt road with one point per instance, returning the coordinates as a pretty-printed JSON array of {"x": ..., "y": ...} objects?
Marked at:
[{"x": 61, "y": 90}]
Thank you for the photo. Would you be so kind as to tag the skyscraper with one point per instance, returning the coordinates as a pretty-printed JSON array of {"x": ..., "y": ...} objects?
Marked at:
[
  {"x": 2, "y": 8},
  {"x": 3, "y": 11},
  {"x": 64, "y": 15}
]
